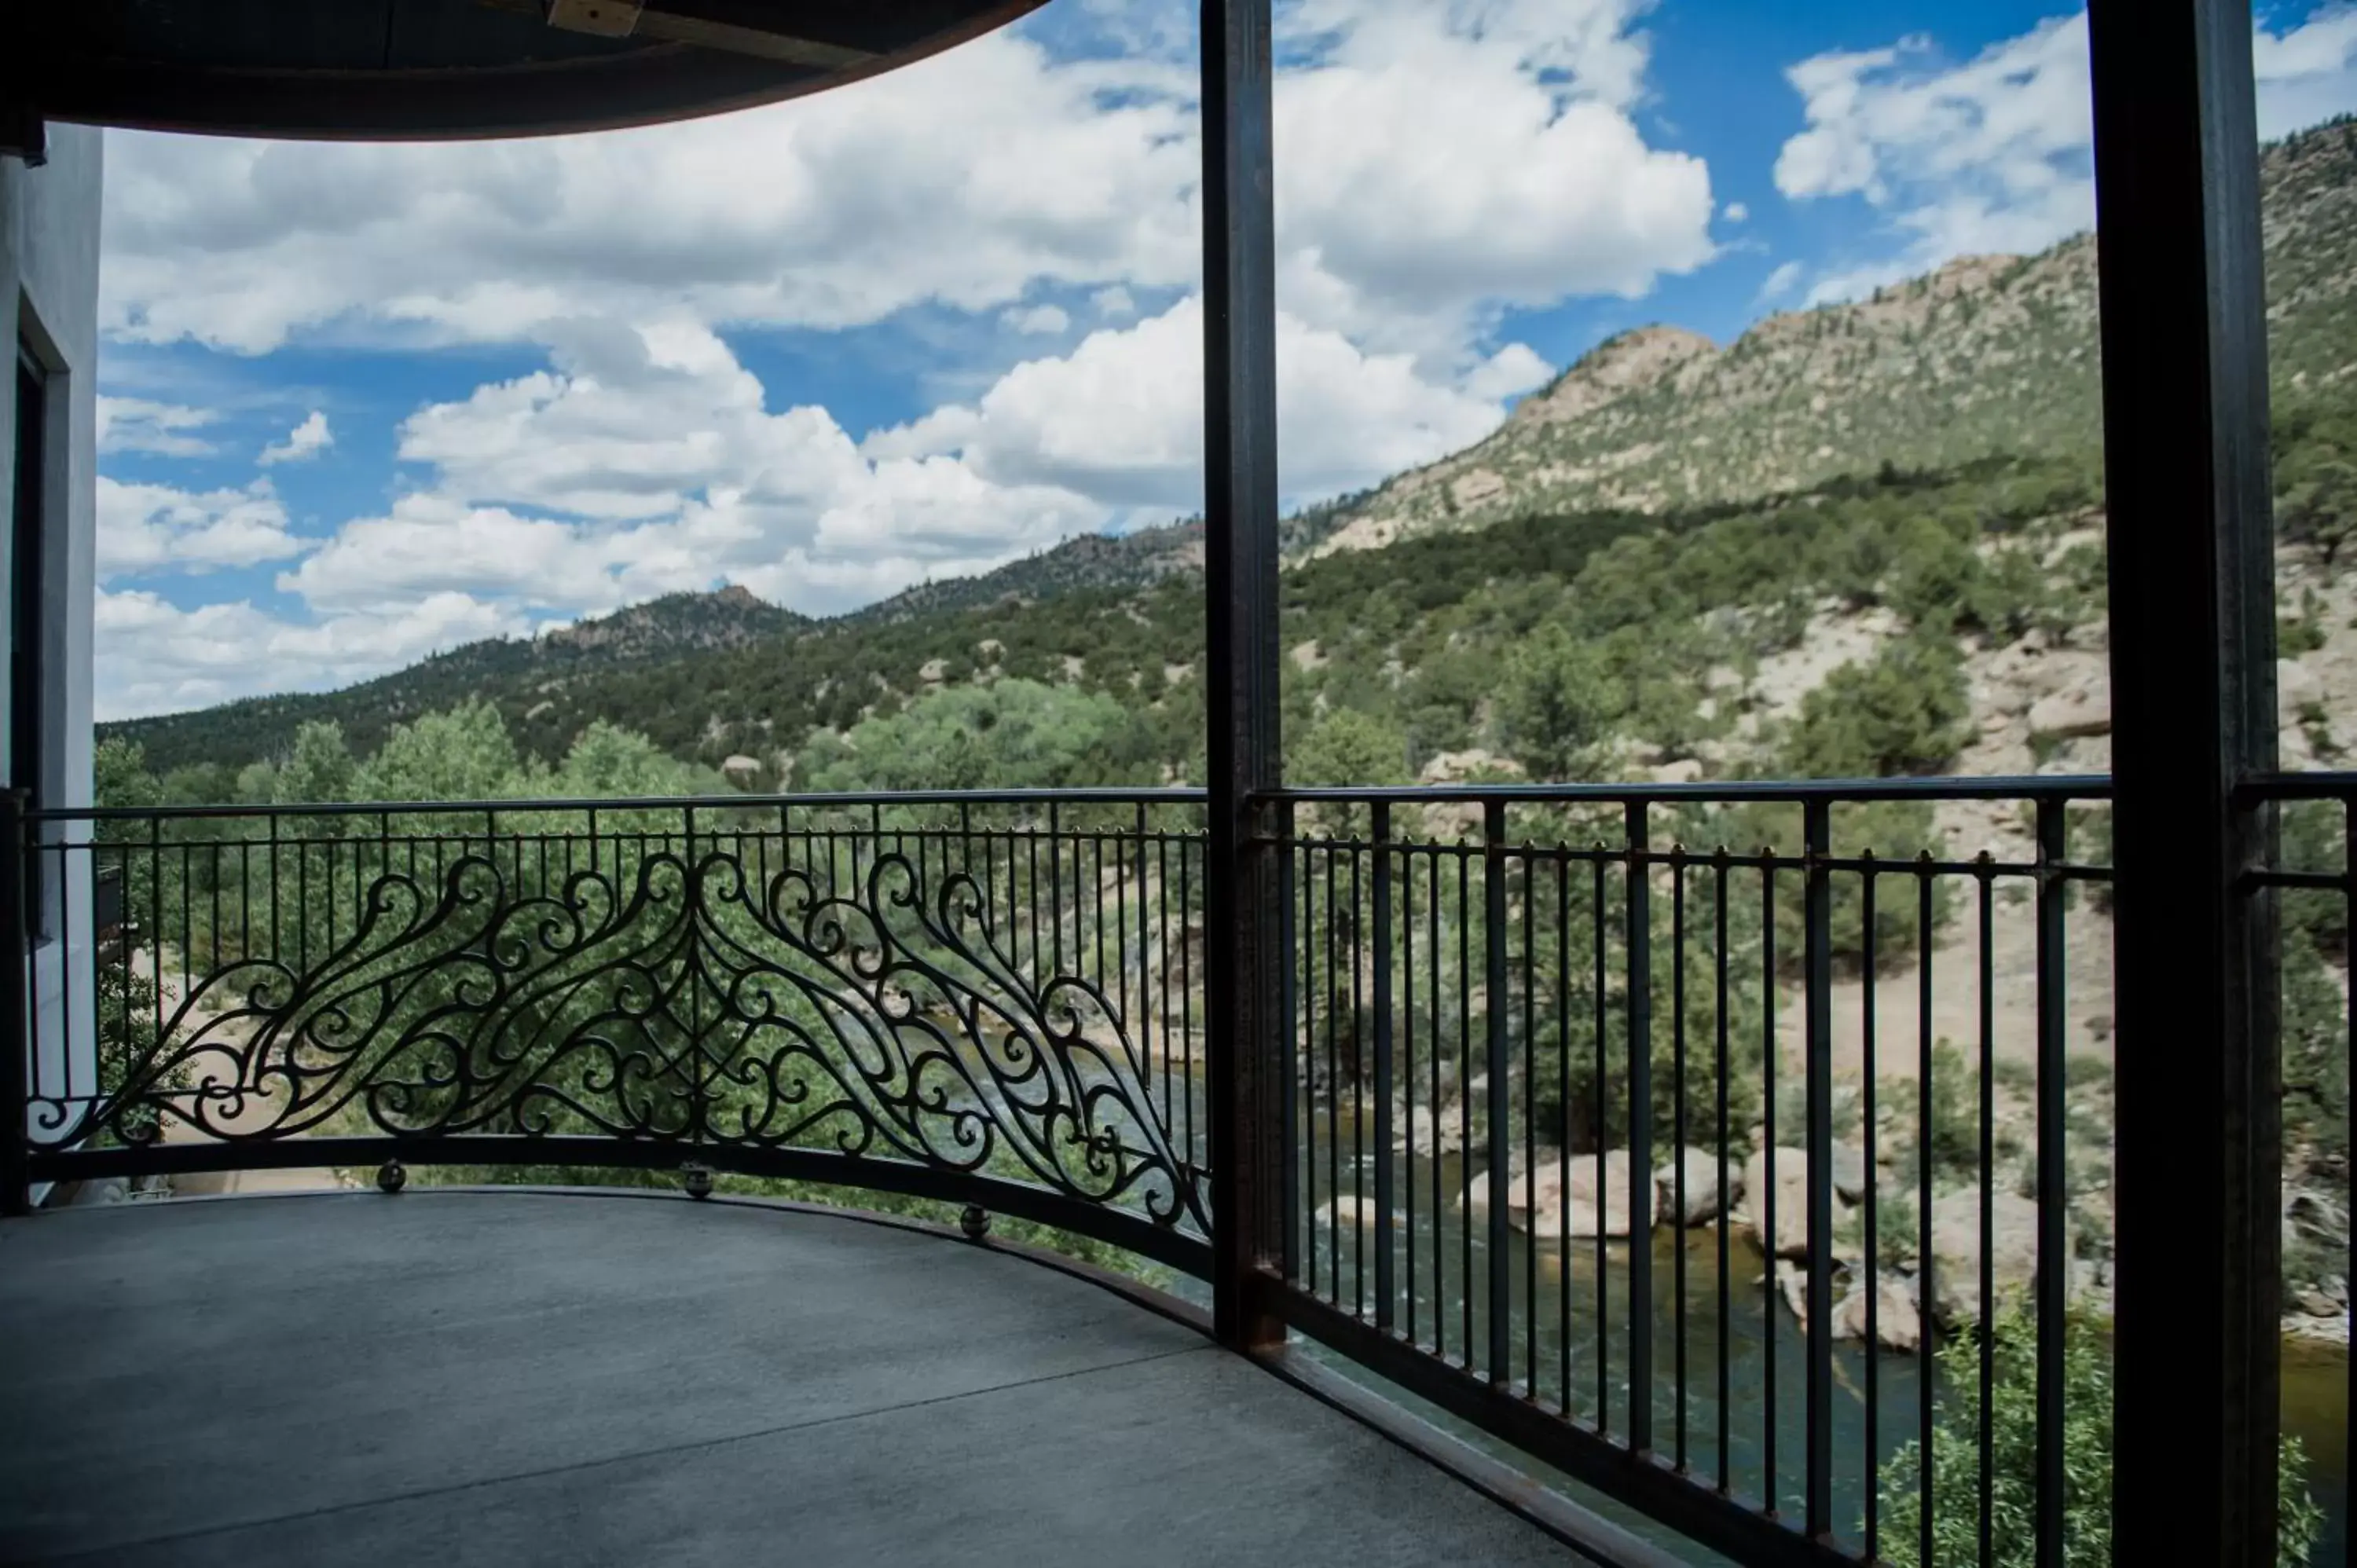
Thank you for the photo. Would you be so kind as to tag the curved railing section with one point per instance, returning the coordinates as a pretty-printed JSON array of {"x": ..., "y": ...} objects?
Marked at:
[
  {"x": 1742, "y": 1148},
  {"x": 988, "y": 998}
]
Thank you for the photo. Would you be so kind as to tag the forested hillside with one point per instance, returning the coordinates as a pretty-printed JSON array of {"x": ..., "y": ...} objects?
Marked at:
[{"x": 1652, "y": 565}]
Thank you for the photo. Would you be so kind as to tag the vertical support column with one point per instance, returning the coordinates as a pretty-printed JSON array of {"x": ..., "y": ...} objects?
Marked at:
[
  {"x": 1245, "y": 960},
  {"x": 2193, "y": 642},
  {"x": 2053, "y": 1278},
  {"x": 16, "y": 1011}
]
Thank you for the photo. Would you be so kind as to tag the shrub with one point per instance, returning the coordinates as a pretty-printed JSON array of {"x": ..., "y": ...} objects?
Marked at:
[
  {"x": 2013, "y": 1420},
  {"x": 1902, "y": 712}
]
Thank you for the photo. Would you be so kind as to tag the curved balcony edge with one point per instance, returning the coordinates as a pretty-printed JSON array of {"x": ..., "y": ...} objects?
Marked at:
[{"x": 1186, "y": 1253}]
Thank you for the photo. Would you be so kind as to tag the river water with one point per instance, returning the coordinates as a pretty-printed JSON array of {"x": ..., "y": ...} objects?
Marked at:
[{"x": 1764, "y": 1348}]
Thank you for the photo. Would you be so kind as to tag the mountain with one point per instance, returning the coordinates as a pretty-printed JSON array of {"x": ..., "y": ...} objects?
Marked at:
[
  {"x": 677, "y": 625},
  {"x": 1088, "y": 561},
  {"x": 1989, "y": 354},
  {"x": 1970, "y": 395}
]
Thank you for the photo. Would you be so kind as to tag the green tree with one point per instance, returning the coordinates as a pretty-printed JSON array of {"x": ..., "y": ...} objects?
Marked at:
[
  {"x": 1902, "y": 712},
  {"x": 463, "y": 754},
  {"x": 317, "y": 769},
  {"x": 1011, "y": 733},
  {"x": 2013, "y": 1423},
  {"x": 1556, "y": 700},
  {"x": 1345, "y": 746}
]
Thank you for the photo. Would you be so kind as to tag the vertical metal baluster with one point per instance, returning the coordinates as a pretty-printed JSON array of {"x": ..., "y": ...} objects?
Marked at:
[
  {"x": 1637, "y": 958},
  {"x": 1439, "y": 1049},
  {"x": 1465, "y": 1086},
  {"x": 1984, "y": 882},
  {"x": 760, "y": 892},
  {"x": 1329, "y": 998},
  {"x": 1768, "y": 1203},
  {"x": 1187, "y": 994},
  {"x": 1053, "y": 921},
  {"x": 1358, "y": 1087},
  {"x": 1603, "y": 1136},
  {"x": 65, "y": 946},
  {"x": 1725, "y": 1185},
  {"x": 187, "y": 911},
  {"x": 1146, "y": 947},
  {"x": 1529, "y": 1127},
  {"x": 1870, "y": 945},
  {"x": 1926, "y": 1284},
  {"x": 1155, "y": 1002},
  {"x": 1817, "y": 1023},
  {"x": 1407, "y": 1062},
  {"x": 1678, "y": 1155},
  {"x": 695, "y": 913},
  {"x": 989, "y": 869},
  {"x": 19, "y": 1032},
  {"x": 875, "y": 850},
  {"x": 156, "y": 909},
  {"x": 1499, "y": 1110},
  {"x": 2349, "y": 1262},
  {"x": 2054, "y": 1267},
  {"x": 1563, "y": 1098},
  {"x": 1031, "y": 897},
  {"x": 1384, "y": 1194},
  {"x": 1095, "y": 903},
  {"x": 1299, "y": 1008}
]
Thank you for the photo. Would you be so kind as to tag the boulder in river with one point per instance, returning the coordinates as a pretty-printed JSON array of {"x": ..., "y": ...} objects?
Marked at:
[
  {"x": 1956, "y": 1250},
  {"x": 1790, "y": 1180},
  {"x": 1702, "y": 1200},
  {"x": 1563, "y": 1195},
  {"x": 1897, "y": 1325},
  {"x": 1426, "y": 1133},
  {"x": 1349, "y": 1209}
]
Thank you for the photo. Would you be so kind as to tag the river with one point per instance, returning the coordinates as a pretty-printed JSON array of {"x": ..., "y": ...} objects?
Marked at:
[{"x": 1764, "y": 1347}]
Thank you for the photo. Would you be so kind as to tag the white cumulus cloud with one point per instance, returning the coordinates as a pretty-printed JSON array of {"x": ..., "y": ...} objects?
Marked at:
[
  {"x": 306, "y": 441},
  {"x": 164, "y": 429},
  {"x": 1995, "y": 153},
  {"x": 1038, "y": 320},
  {"x": 1120, "y": 419},
  {"x": 149, "y": 529},
  {"x": 1441, "y": 163},
  {"x": 1439, "y": 160},
  {"x": 162, "y": 658}
]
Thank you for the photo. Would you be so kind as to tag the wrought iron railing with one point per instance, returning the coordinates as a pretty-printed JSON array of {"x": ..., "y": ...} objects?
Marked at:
[
  {"x": 1513, "y": 1006},
  {"x": 1508, "y": 1011},
  {"x": 984, "y": 998}
]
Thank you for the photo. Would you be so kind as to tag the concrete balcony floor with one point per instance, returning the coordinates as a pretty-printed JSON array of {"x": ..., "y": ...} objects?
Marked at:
[{"x": 518, "y": 1378}]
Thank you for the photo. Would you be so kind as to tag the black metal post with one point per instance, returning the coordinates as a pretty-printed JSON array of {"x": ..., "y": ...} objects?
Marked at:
[
  {"x": 15, "y": 1029},
  {"x": 1241, "y": 694},
  {"x": 2193, "y": 644},
  {"x": 2053, "y": 1278}
]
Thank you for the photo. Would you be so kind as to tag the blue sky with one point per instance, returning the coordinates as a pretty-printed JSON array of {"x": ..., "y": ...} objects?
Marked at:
[{"x": 364, "y": 403}]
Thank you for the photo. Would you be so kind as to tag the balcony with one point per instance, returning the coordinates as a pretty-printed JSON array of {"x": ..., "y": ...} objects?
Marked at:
[
  {"x": 1503, "y": 1008},
  {"x": 502, "y": 1378},
  {"x": 1437, "y": 1095}
]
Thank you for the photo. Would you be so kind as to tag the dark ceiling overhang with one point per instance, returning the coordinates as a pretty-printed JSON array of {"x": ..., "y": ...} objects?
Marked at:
[{"x": 429, "y": 70}]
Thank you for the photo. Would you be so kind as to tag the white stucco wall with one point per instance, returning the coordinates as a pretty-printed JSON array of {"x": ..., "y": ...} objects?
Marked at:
[{"x": 48, "y": 275}]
